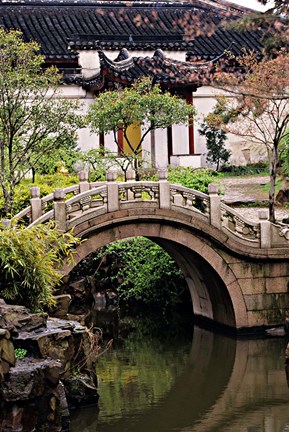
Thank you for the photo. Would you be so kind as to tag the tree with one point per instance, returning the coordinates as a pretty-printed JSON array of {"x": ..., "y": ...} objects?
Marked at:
[
  {"x": 33, "y": 122},
  {"x": 215, "y": 140},
  {"x": 142, "y": 105},
  {"x": 256, "y": 108}
]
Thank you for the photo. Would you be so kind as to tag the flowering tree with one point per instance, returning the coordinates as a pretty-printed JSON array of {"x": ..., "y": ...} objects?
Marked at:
[{"x": 256, "y": 107}]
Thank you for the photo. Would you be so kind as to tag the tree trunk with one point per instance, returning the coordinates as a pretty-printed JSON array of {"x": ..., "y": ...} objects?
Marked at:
[
  {"x": 137, "y": 176},
  {"x": 273, "y": 172}
]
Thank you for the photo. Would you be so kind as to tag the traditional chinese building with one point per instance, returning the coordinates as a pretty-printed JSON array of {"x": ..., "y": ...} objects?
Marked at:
[{"x": 105, "y": 45}]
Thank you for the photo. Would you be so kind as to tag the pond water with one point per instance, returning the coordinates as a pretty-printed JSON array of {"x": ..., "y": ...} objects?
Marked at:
[{"x": 203, "y": 383}]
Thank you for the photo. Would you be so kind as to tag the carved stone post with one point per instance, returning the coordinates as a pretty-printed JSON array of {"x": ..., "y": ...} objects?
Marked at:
[
  {"x": 112, "y": 191},
  {"x": 215, "y": 205},
  {"x": 83, "y": 181},
  {"x": 112, "y": 197},
  {"x": 111, "y": 176},
  {"x": 35, "y": 202},
  {"x": 60, "y": 210},
  {"x": 164, "y": 189},
  {"x": 265, "y": 230},
  {"x": 130, "y": 175}
]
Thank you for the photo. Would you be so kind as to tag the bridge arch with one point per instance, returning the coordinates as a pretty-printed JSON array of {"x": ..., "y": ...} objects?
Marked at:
[
  {"x": 237, "y": 269},
  {"x": 214, "y": 288}
]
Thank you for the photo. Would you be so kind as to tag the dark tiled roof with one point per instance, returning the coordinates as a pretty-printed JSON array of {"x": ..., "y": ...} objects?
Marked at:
[
  {"x": 114, "y": 25},
  {"x": 125, "y": 70}
]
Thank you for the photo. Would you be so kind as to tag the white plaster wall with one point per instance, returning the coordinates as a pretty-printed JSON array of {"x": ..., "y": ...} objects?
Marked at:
[
  {"x": 87, "y": 140},
  {"x": 146, "y": 146},
  {"x": 204, "y": 101},
  {"x": 180, "y": 135},
  {"x": 176, "y": 55},
  {"x": 109, "y": 142},
  {"x": 161, "y": 148},
  {"x": 89, "y": 63}
]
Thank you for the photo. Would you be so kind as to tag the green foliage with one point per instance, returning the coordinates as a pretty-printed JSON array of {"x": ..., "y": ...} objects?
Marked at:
[
  {"x": 284, "y": 155},
  {"x": 29, "y": 259},
  {"x": 140, "y": 270},
  {"x": 249, "y": 169},
  {"x": 20, "y": 353},
  {"x": 47, "y": 184},
  {"x": 33, "y": 122},
  {"x": 66, "y": 156},
  {"x": 195, "y": 179},
  {"x": 215, "y": 140}
]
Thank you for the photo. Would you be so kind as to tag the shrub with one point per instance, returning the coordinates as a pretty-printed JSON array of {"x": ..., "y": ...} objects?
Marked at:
[
  {"x": 249, "y": 169},
  {"x": 29, "y": 259},
  {"x": 47, "y": 184},
  {"x": 198, "y": 179},
  {"x": 215, "y": 140}
]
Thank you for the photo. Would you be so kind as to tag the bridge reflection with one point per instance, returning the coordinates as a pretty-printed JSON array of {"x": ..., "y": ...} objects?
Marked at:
[{"x": 227, "y": 385}]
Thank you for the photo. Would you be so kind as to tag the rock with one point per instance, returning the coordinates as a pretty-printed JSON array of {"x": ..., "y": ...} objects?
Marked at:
[
  {"x": 282, "y": 197},
  {"x": 65, "y": 415},
  {"x": 79, "y": 318},
  {"x": 31, "y": 396},
  {"x": 78, "y": 289},
  {"x": 7, "y": 354},
  {"x": 59, "y": 341},
  {"x": 276, "y": 331},
  {"x": 16, "y": 318},
  {"x": 61, "y": 308},
  {"x": 28, "y": 379},
  {"x": 80, "y": 392},
  {"x": 99, "y": 300}
]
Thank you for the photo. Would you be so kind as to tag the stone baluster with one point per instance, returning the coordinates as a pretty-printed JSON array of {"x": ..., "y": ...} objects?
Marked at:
[
  {"x": 112, "y": 191},
  {"x": 265, "y": 230},
  {"x": 59, "y": 206},
  {"x": 164, "y": 189},
  {"x": 83, "y": 181},
  {"x": 215, "y": 205},
  {"x": 130, "y": 177},
  {"x": 35, "y": 202}
]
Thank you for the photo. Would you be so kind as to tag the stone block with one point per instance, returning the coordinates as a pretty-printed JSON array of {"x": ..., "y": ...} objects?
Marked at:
[
  {"x": 244, "y": 270},
  {"x": 277, "y": 269},
  {"x": 254, "y": 302},
  {"x": 253, "y": 286},
  {"x": 255, "y": 319},
  {"x": 277, "y": 285}
]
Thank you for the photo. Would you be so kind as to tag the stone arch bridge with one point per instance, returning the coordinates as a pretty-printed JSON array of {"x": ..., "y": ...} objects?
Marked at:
[{"x": 237, "y": 270}]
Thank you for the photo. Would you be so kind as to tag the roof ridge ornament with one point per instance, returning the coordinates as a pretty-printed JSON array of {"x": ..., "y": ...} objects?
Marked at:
[{"x": 159, "y": 54}]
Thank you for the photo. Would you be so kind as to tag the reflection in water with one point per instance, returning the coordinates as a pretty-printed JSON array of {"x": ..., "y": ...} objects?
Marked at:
[{"x": 214, "y": 384}]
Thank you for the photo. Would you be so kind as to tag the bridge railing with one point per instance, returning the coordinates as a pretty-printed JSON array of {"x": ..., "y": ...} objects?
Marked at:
[
  {"x": 93, "y": 199},
  {"x": 239, "y": 226}
]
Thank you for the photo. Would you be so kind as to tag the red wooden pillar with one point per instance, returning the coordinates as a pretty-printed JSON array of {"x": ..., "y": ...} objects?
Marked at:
[
  {"x": 190, "y": 101},
  {"x": 120, "y": 140},
  {"x": 170, "y": 142}
]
